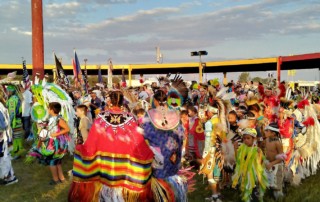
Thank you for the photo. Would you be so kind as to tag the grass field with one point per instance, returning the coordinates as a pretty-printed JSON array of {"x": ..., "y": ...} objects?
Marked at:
[{"x": 33, "y": 186}]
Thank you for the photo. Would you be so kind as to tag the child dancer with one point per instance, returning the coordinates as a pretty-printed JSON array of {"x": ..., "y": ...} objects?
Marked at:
[
  {"x": 57, "y": 130},
  {"x": 275, "y": 157},
  {"x": 196, "y": 134},
  {"x": 250, "y": 172}
]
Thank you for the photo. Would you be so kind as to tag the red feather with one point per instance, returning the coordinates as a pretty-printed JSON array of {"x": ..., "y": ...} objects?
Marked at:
[
  {"x": 309, "y": 122},
  {"x": 302, "y": 104},
  {"x": 261, "y": 90}
]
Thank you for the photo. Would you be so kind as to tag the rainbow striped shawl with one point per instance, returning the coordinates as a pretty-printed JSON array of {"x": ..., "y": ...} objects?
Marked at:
[{"x": 115, "y": 154}]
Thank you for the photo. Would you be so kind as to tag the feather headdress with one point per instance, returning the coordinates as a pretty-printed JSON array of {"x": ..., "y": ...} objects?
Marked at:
[
  {"x": 178, "y": 83},
  {"x": 178, "y": 92},
  {"x": 8, "y": 83},
  {"x": 48, "y": 93},
  {"x": 11, "y": 76},
  {"x": 164, "y": 80},
  {"x": 129, "y": 96},
  {"x": 221, "y": 101}
]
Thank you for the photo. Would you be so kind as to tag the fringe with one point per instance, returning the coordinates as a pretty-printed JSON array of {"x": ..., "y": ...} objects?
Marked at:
[
  {"x": 108, "y": 194},
  {"x": 131, "y": 196},
  {"x": 298, "y": 176},
  {"x": 249, "y": 173},
  {"x": 188, "y": 175},
  {"x": 307, "y": 163},
  {"x": 179, "y": 185},
  {"x": 161, "y": 191},
  {"x": 173, "y": 188},
  {"x": 84, "y": 192},
  {"x": 95, "y": 191}
]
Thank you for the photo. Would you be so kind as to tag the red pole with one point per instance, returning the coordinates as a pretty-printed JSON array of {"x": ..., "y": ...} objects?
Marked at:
[
  {"x": 37, "y": 39},
  {"x": 279, "y": 63}
]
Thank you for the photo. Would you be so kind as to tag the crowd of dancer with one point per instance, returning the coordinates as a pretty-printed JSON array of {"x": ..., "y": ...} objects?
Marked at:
[{"x": 147, "y": 143}]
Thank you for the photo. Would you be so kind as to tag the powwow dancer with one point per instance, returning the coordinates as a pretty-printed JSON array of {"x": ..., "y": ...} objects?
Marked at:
[
  {"x": 47, "y": 149},
  {"x": 274, "y": 159},
  {"x": 210, "y": 165},
  {"x": 6, "y": 170},
  {"x": 53, "y": 143},
  {"x": 271, "y": 101},
  {"x": 164, "y": 133},
  {"x": 215, "y": 134},
  {"x": 286, "y": 130},
  {"x": 196, "y": 137},
  {"x": 15, "y": 112},
  {"x": 250, "y": 172},
  {"x": 310, "y": 149},
  {"x": 114, "y": 164}
]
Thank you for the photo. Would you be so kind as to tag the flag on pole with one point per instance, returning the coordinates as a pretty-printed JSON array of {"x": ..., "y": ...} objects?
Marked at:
[
  {"x": 110, "y": 69},
  {"x": 123, "y": 80},
  {"x": 59, "y": 68},
  {"x": 100, "y": 80},
  {"x": 85, "y": 78},
  {"x": 61, "y": 76},
  {"x": 26, "y": 79},
  {"x": 75, "y": 77},
  {"x": 76, "y": 67},
  {"x": 78, "y": 76}
]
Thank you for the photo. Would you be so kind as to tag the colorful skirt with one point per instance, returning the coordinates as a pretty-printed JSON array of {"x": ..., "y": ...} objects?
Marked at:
[
  {"x": 114, "y": 164},
  {"x": 51, "y": 151}
]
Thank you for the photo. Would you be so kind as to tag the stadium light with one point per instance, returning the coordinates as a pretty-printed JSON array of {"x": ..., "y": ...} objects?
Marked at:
[
  {"x": 194, "y": 53},
  {"x": 201, "y": 65}
]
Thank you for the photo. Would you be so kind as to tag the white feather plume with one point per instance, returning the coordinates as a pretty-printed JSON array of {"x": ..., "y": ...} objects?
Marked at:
[
  {"x": 243, "y": 123},
  {"x": 228, "y": 154},
  {"x": 221, "y": 92},
  {"x": 12, "y": 75},
  {"x": 229, "y": 96}
]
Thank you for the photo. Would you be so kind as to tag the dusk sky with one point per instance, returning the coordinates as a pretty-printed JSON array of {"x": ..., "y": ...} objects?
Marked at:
[{"x": 129, "y": 30}]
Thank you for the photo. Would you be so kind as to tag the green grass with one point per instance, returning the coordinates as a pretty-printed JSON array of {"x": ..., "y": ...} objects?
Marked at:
[
  {"x": 308, "y": 191},
  {"x": 33, "y": 186}
]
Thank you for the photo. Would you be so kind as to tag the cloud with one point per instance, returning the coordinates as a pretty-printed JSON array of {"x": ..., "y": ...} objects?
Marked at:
[
  {"x": 108, "y": 2},
  {"x": 135, "y": 23},
  {"x": 160, "y": 26},
  {"x": 132, "y": 38},
  {"x": 55, "y": 10},
  {"x": 15, "y": 29}
]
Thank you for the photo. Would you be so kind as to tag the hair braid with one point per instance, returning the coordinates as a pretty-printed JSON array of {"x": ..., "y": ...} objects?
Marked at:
[{"x": 116, "y": 98}]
